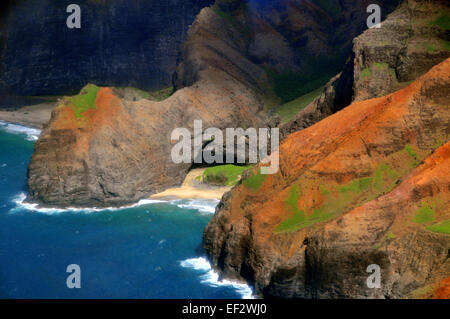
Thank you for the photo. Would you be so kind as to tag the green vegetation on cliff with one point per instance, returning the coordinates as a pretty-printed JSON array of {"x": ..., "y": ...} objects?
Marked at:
[
  {"x": 288, "y": 110},
  {"x": 226, "y": 175},
  {"x": 85, "y": 100},
  {"x": 289, "y": 85},
  {"x": 338, "y": 199},
  {"x": 315, "y": 72},
  {"x": 390, "y": 236},
  {"x": 424, "y": 215},
  {"x": 299, "y": 217},
  {"x": 442, "y": 227},
  {"x": 378, "y": 69},
  {"x": 255, "y": 181},
  {"x": 365, "y": 73},
  {"x": 160, "y": 95},
  {"x": 410, "y": 150},
  {"x": 443, "y": 21}
]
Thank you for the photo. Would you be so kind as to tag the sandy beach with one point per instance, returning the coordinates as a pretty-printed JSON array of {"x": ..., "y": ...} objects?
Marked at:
[
  {"x": 33, "y": 116},
  {"x": 194, "y": 188}
]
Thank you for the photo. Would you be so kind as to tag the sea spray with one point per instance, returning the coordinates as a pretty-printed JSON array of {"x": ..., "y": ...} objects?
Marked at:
[
  {"x": 202, "y": 206},
  {"x": 210, "y": 277},
  {"x": 207, "y": 206},
  {"x": 31, "y": 134}
]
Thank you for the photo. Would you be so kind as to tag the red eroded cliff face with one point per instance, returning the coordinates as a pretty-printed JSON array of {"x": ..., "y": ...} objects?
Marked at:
[
  {"x": 409, "y": 42},
  {"x": 367, "y": 185}
]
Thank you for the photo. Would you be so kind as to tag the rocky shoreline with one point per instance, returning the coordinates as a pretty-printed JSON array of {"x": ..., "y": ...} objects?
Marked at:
[{"x": 346, "y": 197}]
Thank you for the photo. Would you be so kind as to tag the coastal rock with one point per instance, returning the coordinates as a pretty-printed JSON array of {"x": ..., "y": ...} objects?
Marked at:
[
  {"x": 367, "y": 185},
  {"x": 120, "y": 151}
]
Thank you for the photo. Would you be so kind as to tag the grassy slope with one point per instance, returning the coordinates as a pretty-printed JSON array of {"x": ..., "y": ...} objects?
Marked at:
[
  {"x": 85, "y": 100},
  {"x": 442, "y": 227},
  {"x": 288, "y": 110},
  {"x": 160, "y": 95},
  {"x": 226, "y": 175},
  {"x": 255, "y": 181},
  {"x": 340, "y": 198}
]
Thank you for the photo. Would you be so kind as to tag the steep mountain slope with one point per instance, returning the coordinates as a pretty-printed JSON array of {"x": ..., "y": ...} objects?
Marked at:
[
  {"x": 89, "y": 156},
  {"x": 120, "y": 43},
  {"x": 412, "y": 39},
  {"x": 293, "y": 44},
  {"x": 367, "y": 185}
]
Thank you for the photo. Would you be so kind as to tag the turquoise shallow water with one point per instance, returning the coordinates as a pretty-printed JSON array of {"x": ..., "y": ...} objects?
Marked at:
[{"x": 152, "y": 250}]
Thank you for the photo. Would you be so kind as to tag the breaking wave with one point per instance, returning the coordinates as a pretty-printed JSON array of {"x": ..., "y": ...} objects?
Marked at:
[
  {"x": 210, "y": 277},
  {"x": 207, "y": 206},
  {"x": 202, "y": 206},
  {"x": 32, "y": 134}
]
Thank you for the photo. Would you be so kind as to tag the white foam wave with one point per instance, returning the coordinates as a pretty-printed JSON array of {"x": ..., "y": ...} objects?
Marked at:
[
  {"x": 196, "y": 264},
  {"x": 32, "y": 134},
  {"x": 20, "y": 202},
  {"x": 211, "y": 277},
  {"x": 203, "y": 206}
]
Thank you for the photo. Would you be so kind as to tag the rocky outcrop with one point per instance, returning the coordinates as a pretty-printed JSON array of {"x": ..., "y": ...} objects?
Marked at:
[
  {"x": 410, "y": 41},
  {"x": 120, "y": 43},
  {"x": 367, "y": 185},
  {"x": 408, "y": 44},
  {"x": 120, "y": 151}
]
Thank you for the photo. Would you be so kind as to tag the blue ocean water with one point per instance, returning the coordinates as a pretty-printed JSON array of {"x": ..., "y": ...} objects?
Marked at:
[{"x": 151, "y": 250}]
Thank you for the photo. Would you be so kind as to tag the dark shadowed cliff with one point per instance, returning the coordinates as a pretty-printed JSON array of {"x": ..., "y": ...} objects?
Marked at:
[{"x": 120, "y": 43}]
